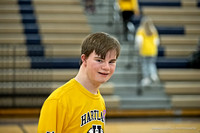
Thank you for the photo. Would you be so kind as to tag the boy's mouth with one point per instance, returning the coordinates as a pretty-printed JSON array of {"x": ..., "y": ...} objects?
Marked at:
[{"x": 103, "y": 73}]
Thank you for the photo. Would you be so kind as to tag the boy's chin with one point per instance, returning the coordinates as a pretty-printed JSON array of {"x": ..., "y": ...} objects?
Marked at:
[{"x": 103, "y": 81}]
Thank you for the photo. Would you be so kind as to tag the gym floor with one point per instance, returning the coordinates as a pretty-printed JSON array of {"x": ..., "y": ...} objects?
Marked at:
[{"x": 115, "y": 125}]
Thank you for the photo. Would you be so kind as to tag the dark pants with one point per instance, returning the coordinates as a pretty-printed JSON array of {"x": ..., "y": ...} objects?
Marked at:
[{"x": 126, "y": 16}]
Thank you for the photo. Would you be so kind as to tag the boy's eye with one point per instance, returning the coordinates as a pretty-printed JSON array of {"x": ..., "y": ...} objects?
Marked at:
[
  {"x": 99, "y": 60},
  {"x": 112, "y": 61}
]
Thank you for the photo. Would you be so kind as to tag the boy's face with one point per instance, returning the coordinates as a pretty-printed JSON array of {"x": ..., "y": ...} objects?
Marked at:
[{"x": 100, "y": 70}]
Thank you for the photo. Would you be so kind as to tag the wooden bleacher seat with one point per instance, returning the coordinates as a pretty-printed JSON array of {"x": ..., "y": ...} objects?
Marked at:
[
  {"x": 11, "y": 2},
  {"x": 10, "y": 18},
  {"x": 175, "y": 20},
  {"x": 6, "y": 101},
  {"x": 187, "y": 88},
  {"x": 11, "y": 8},
  {"x": 179, "y": 40},
  {"x": 12, "y": 39},
  {"x": 179, "y": 74},
  {"x": 6, "y": 88},
  {"x": 107, "y": 88},
  {"x": 192, "y": 30},
  {"x": 74, "y": 2},
  {"x": 112, "y": 102},
  {"x": 48, "y": 18},
  {"x": 30, "y": 128},
  {"x": 63, "y": 51},
  {"x": 65, "y": 8},
  {"x": 44, "y": 88},
  {"x": 10, "y": 128},
  {"x": 64, "y": 40},
  {"x": 16, "y": 39},
  {"x": 71, "y": 2},
  {"x": 11, "y": 28},
  {"x": 171, "y": 11},
  {"x": 29, "y": 101},
  {"x": 37, "y": 74},
  {"x": 190, "y": 3},
  {"x": 10, "y": 62},
  {"x": 185, "y": 101},
  {"x": 179, "y": 52},
  {"x": 61, "y": 18},
  {"x": 47, "y": 28},
  {"x": 64, "y": 28},
  {"x": 11, "y": 51}
]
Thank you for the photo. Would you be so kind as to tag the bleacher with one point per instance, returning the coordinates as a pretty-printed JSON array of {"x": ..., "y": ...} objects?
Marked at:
[{"x": 40, "y": 49}]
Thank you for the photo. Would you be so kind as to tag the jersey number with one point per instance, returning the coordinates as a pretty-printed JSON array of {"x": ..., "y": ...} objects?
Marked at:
[{"x": 96, "y": 129}]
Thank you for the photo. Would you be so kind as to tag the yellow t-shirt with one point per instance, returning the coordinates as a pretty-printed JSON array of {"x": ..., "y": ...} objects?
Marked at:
[
  {"x": 148, "y": 46},
  {"x": 72, "y": 109},
  {"x": 129, "y": 5}
]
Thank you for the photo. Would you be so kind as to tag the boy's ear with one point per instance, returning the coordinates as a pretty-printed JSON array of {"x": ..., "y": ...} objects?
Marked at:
[{"x": 83, "y": 58}]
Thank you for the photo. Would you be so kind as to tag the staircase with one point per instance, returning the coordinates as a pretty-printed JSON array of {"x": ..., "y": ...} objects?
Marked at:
[
  {"x": 128, "y": 74},
  {"x": 178, "y": 26}
]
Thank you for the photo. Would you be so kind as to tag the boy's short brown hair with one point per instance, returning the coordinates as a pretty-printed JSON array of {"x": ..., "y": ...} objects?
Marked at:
[{"x": 101, "y": 43}]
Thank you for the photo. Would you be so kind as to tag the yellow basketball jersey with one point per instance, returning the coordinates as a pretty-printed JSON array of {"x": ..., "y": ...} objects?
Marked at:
[
  {"x": 72, "y": 109},
  {"x": 128, "y": 5},
  {"x": 148, "y": 47}
]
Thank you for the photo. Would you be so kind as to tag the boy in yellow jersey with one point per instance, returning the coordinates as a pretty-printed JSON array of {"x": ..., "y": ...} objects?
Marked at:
[
  {"x": 128, "y": 9},
  {"x": 77, "y": 106},
  {"x": 147, "y": 41}
]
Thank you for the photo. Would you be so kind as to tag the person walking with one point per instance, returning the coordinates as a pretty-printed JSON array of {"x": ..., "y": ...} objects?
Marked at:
[
  {"x": 128, "y": 8},
  {"x": 147, "y": 41}
]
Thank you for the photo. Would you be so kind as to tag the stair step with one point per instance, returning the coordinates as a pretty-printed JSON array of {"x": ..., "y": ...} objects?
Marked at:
[{"x": 141, "y": 102}]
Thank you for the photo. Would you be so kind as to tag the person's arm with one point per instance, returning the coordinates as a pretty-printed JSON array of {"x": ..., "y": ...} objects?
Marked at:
[
  {"x": 138, "y": 41},
  {"x": 157, "y": 39},
  {"x": 138, "y": 38},
  {"x": 51, "y": 117},
  {"x": 136, "y": 7}
]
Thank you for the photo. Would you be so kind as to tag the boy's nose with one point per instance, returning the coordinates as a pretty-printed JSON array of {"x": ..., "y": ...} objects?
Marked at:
[{"x": 106, "y": 66}]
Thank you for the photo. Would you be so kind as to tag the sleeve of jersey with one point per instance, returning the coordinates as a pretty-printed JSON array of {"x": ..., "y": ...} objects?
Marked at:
[
  {"x": 139, "y": 38},
  {"x": 51, "y": 117},
  {"x": 156, "y": 39}
]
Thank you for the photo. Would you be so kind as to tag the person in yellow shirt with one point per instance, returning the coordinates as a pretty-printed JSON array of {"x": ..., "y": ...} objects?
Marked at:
[
  {"x": 77, "y": 106},
  {"x": 128, "y": 9},
  {"x": 147, "y": 41}
]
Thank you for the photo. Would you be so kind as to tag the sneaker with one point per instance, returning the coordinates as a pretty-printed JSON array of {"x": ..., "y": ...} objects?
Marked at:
[
  {"x": 155, "y": 78},
  {"x": 145, "y": 82}
]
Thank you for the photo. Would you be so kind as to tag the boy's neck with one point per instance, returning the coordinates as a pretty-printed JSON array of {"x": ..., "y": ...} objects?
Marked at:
[{"x": 87, "y": 84}]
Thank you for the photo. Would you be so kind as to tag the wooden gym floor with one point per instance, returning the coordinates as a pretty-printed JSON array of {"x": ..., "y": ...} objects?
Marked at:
[{"x": 115, "y": 125}]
